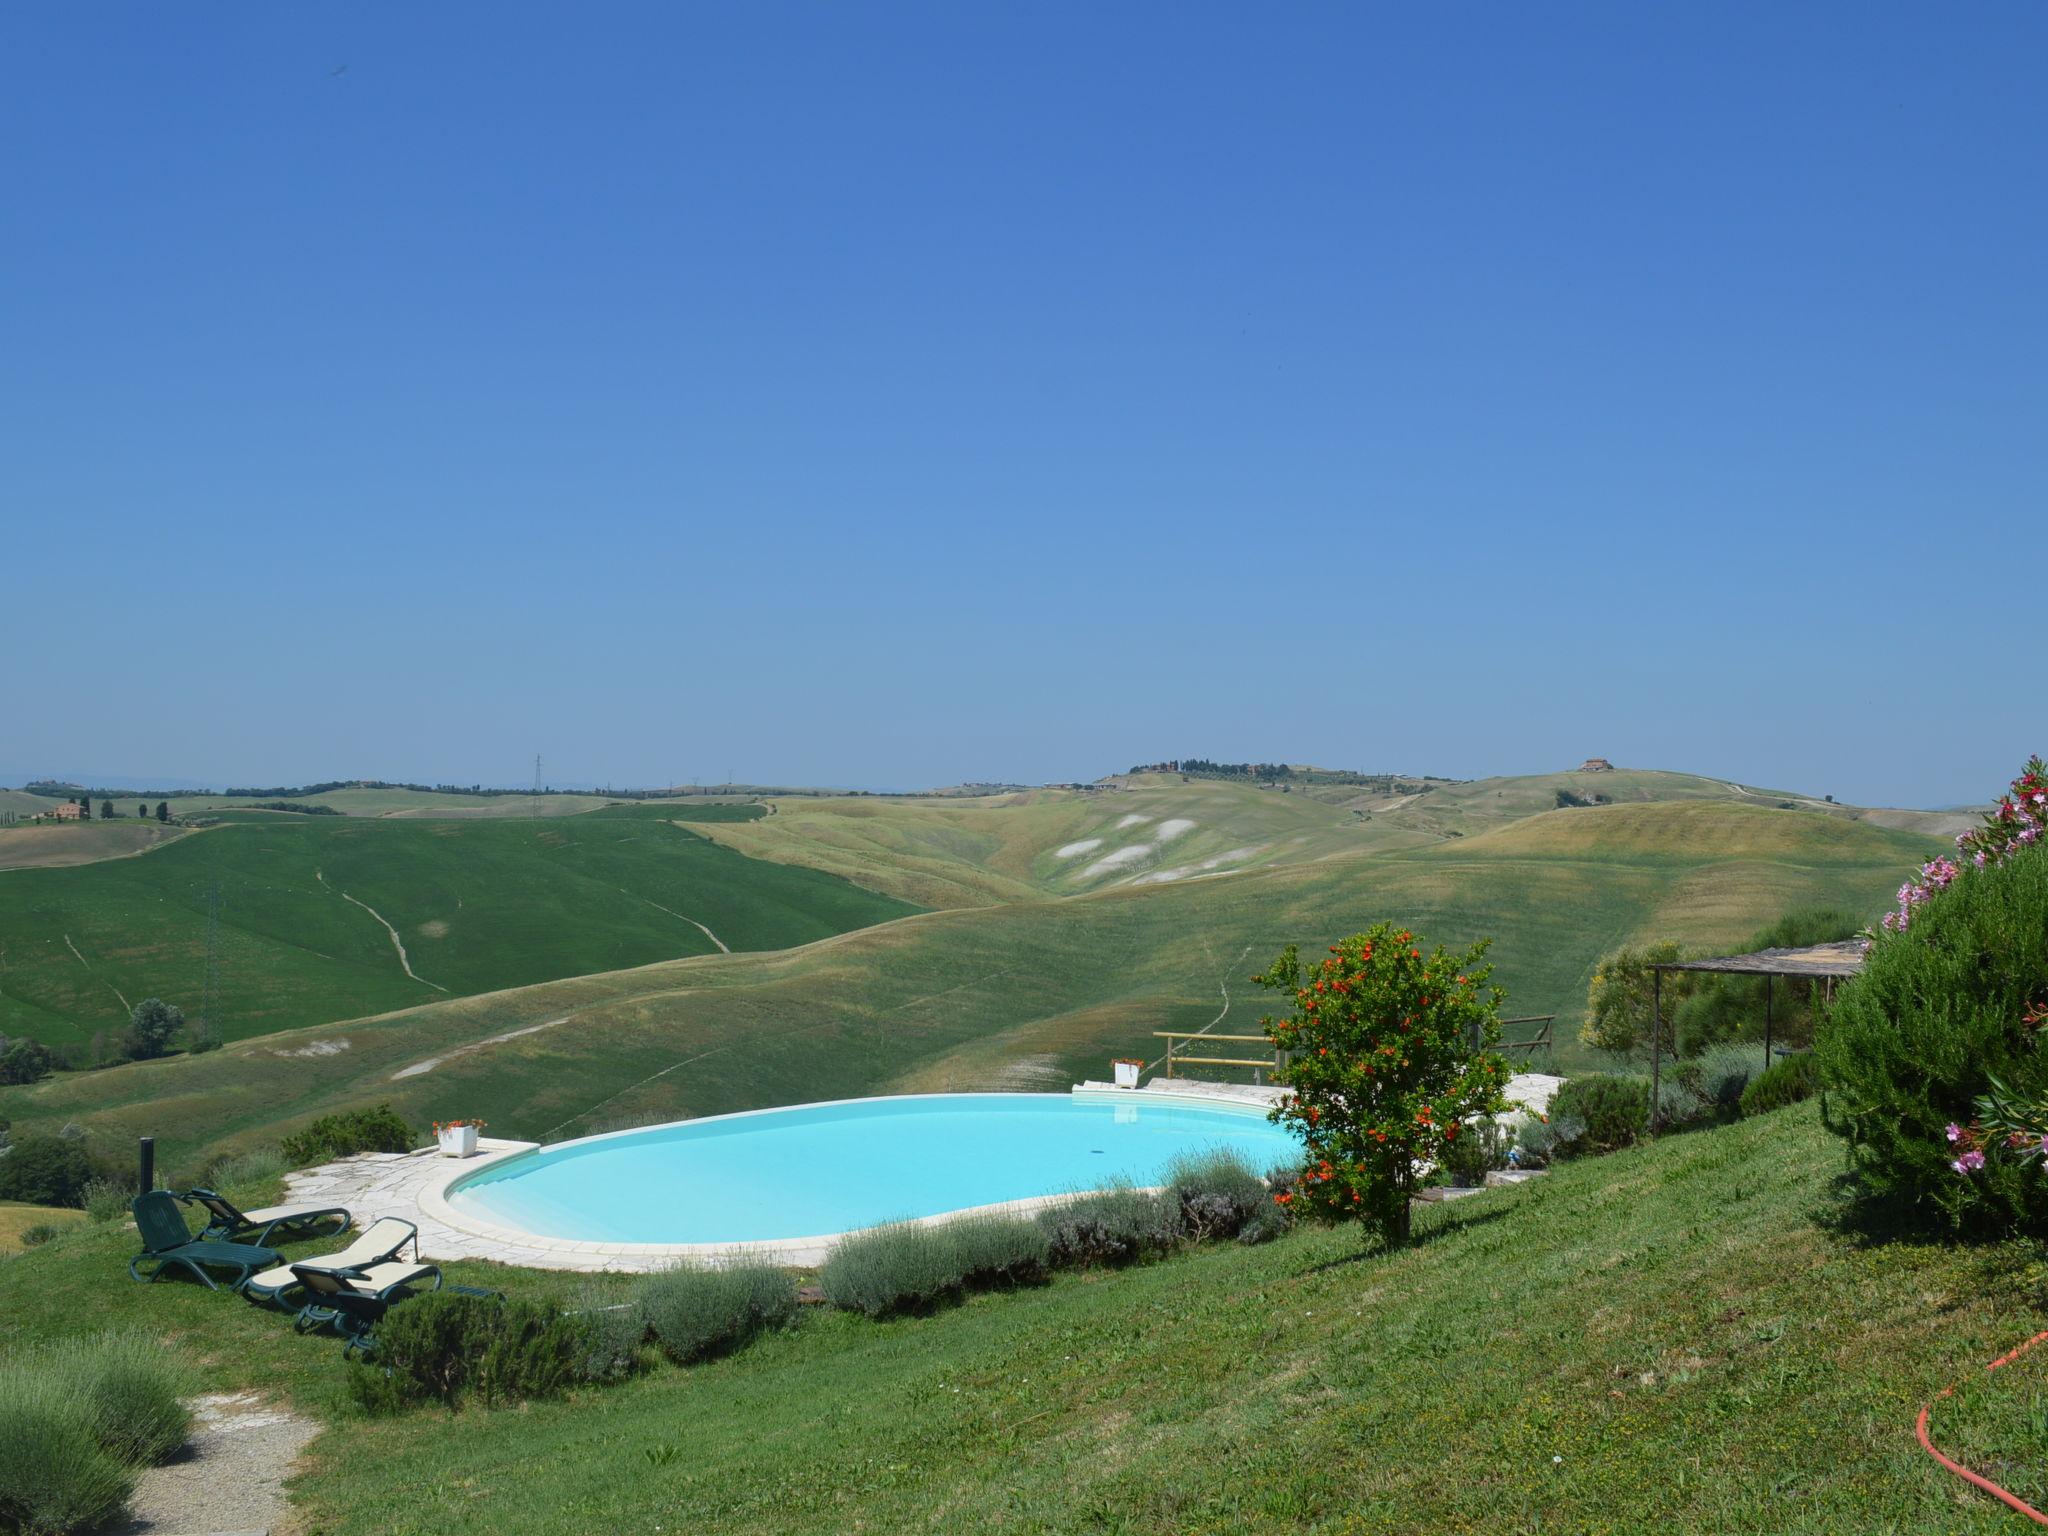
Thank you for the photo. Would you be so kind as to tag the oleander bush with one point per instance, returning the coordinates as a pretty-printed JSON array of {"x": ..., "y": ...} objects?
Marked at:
[
  {"x": 381, "y": 1129},
  {"x": 1949, "y": 1007},
  {"x": 1791, "y": 1081},
  {"x": 1600, "y": 1112},
  {"x": 698, "y": 1311},
  {"x": 1111, "y": 1227}
]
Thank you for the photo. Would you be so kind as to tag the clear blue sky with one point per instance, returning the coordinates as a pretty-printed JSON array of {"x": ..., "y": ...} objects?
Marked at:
[{"x": 890, "y": 395}]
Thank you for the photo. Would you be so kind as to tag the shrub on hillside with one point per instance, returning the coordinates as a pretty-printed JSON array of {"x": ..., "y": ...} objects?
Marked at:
[
  {"x": 452, "y": 1348},
  {"x": 696, "y": 1311},
  {"x": 1619, "y": 1006},
  {"x": 105, "y": 1199},
  {"x": 1218, "y": 1194},
  {"x": 39, "y": 1233},
  {"x": 54, "y": 1476},
  {"x": 1600, "y": 1112},
  {"x": 1724, "y": 1072},
  {"x": 903, "y": 1267},
  {"x": 75, "y": 1415},
  {"x": 125, "y": 1387},
  {"x": 1481, "y": 1150},
  {"x": 998, "y": 1253},
  {"x": 1535, "y": 1141},
  {"x": 236, "y": 1172},
  {"x": 613, "y": 1332},
  {"x": 1790, "y": 1081},
  {"x": 343, "y": 1135},
  {"x": 45, "y": 1170},
  {"x": 24, "y": 1061},
  {"x": 1947, "y": 1006},
  {"x": 1680, "y": 1101},
  {"x": 1110, "y": 1228}
]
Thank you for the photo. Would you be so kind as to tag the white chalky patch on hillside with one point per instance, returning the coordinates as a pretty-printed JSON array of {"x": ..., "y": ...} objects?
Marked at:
[
  {"x": 1132, "y": 820},
  {"x": 1117, "y": 860},
  {"x": 1214, "y": 864},
  {"x": 317, "y": 1048},
  {"x": 1086, "y": 845},
  {"x": 1169, "y": 830}
]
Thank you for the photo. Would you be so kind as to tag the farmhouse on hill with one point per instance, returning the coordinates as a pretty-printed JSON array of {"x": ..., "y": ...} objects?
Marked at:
[
  {"x": 70, "y": 810},
  {"x": 1596, "y": 765}
]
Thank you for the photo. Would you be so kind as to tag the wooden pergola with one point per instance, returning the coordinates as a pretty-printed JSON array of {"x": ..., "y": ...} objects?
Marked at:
[{"x": 1822, "y": 965}]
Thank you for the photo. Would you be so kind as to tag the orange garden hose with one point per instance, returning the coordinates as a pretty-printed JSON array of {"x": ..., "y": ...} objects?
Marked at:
[{"x": 1973, "y": 1478}]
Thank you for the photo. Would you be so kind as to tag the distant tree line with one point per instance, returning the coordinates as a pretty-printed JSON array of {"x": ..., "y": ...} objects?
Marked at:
[
  {"x": 297, "y": 807},
  {"x": 1283, "y": 773}
]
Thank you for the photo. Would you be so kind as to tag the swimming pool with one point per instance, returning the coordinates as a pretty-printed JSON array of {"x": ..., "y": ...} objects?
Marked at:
[{"x": 821, "y": 1169}]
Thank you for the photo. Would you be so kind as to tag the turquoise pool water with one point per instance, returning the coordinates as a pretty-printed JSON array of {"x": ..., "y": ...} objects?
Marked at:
[{"x": 817, "y": 1169}]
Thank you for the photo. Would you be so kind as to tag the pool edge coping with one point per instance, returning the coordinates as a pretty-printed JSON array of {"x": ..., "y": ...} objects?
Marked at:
[{"x": 805, "y": 1252}]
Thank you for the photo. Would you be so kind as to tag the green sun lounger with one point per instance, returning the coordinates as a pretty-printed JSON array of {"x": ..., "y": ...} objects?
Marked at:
[
  {"x": 168, "y": 1244},
  {"x": 354, "y": 1301},
  {"x": 225, "y": 1223},
  {"x": 378, "y": 1243}
]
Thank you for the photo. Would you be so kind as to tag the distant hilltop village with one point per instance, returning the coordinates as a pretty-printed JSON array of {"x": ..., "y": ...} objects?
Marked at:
[{"x": 1596, "y": 765}]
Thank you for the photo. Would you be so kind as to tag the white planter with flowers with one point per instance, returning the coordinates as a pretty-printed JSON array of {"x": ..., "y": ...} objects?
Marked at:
[
  {"x": 458, "y": 1137},
  {"x": 1127, "y": 1072}
]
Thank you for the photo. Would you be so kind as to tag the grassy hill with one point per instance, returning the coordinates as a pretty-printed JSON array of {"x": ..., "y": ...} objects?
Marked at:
[
  {"x": 50, "y": 845},
  {"x": 478, "y": 905},
  {"x": 1026, "y": 846},
  {"x": 1028, "y": 994},
  {"x": 1149, "y": 829},
  {"x": 1682, "y": 1337}
]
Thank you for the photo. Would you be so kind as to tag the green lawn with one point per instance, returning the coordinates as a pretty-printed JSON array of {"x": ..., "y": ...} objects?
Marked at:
[
  {"x": 1033, "y": 994},
  {"x": 1676, "y": 1338},
  {"x": 480, "y": 905}
]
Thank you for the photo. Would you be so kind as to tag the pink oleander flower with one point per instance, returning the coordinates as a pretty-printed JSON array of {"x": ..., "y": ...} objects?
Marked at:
[
  {"x": 1955, "y": 1132},
  {"x": 1968, "y": 1163}
]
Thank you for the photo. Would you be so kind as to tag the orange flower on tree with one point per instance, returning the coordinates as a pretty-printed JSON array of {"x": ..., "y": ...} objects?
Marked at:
[{"x": 1390, "y": 1054}]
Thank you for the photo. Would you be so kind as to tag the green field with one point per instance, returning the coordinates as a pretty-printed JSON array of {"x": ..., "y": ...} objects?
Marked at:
[
  {"x": 1031, "y": 994},
  {"x": 1676, "y": 1338},
  {"x": 479, "y": 905}
]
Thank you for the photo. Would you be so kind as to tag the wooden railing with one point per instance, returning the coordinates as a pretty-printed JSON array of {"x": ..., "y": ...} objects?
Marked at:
[
  {"x": 1540, "y": 1041},
  {"x": 1175, "y": 1058}
]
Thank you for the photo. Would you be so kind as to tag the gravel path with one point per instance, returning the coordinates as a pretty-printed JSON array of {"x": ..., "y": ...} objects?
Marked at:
[{"x": 231, "y": 1476}]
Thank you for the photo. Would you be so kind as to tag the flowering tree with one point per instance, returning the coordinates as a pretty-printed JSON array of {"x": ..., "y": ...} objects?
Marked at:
[
  {"x": 1389, "y": 1057},
  {"x": 2019, "y": 821},
  {"x": 1933, "y": 1056}
]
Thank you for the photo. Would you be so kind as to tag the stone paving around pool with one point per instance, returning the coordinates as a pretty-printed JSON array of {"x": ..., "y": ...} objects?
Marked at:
[
  {"x": 407, "y": 1185},
  {"x": 374, "y": 1184}
]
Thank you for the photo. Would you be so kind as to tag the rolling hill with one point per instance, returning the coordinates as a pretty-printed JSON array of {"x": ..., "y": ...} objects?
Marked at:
[
  {"x": 314, "y": 911},
  {"x": 1033, "y": 993}
]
